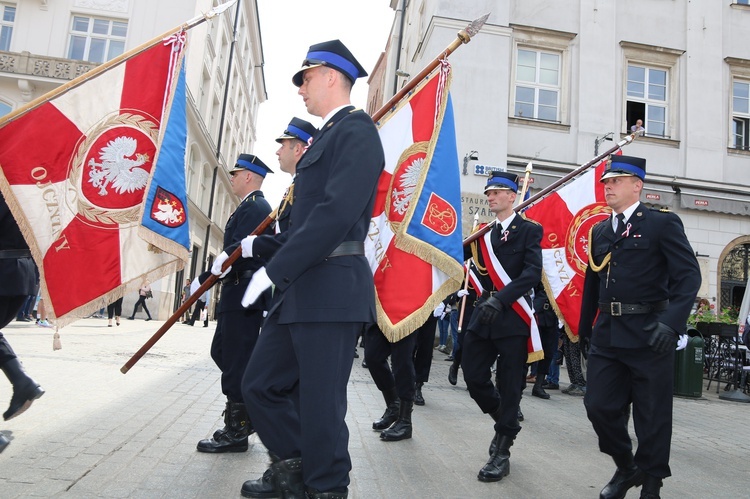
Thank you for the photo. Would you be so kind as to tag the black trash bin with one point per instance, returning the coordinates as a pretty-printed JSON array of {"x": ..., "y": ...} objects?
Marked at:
[{"x": 688, "y": 367}]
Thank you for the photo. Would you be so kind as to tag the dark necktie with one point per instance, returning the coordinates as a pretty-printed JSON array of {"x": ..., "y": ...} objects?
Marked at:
[{"x": 620, "y": 224}]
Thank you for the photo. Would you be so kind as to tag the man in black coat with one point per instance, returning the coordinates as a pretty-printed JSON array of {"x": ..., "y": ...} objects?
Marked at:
[
  {"x": 509, "y": 259},
  {"x": 639, "y": 288},
  {"x": 17, "y": 281},
  {"x": 237, "y": 327},
  {"x": 295, "y": 383}
]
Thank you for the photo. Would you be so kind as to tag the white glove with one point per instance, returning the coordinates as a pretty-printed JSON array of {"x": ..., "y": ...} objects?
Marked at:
[
  {"x": 439, "y": 309},
  {"x": 461, "y": 293},
  {"x": 216, "y": 267},
  {"x": 259, "y": 283},
  {"x": 194, "y": 285},
  {"x": 247, "y": 246},
  {"x": 682, "y": 341}
]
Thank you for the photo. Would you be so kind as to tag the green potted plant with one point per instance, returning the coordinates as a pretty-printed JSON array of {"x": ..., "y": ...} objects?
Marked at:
[{"x": 710, "y": 324}]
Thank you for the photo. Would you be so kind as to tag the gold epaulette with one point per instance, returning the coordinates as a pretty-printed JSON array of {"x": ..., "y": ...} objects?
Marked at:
[{"x": 355, "y": 110}]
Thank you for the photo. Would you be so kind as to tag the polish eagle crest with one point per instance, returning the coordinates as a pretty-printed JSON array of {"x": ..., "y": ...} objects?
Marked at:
[{"x": 120, "y": 166}]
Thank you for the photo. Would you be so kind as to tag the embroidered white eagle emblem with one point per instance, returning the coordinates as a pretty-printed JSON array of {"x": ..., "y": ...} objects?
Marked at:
[
  {"x": 408, "y": 181},
  {"x": 167, "y": 213},
  {"x": 118, "y": 167}
]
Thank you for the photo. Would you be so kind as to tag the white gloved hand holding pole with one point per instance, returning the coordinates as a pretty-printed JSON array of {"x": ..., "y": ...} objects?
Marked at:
[{"x": 216, "y": 267}]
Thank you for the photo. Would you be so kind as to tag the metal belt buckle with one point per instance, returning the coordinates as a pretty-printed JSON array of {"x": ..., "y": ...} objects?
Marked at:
[{"x": 615, "y": 309}]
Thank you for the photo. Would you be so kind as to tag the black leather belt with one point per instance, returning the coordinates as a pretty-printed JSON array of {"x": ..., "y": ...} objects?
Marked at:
[
  {"x": 616, "y": 309},
  {"x": 487, "y": 294},
  {"x": 349, "y": 248},
  {"x": 20, "y": 253},
  {"x": 234, "y": 277}
]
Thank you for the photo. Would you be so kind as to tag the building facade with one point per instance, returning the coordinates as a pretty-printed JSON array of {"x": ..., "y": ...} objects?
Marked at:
[
  {"x": 553, "y": 83},
  {"x": 44, "y": 44}
]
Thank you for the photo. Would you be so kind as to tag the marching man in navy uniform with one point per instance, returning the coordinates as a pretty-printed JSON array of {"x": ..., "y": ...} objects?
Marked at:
[
  {"x": 294, "y": 142},
  {"x": 17, "y": 281},
  {"x": 295, "y": 383},
  {"x": 640, "y": 286},
  {"x": 509, "y": 259},
  {"x": 237, "y": 327}
]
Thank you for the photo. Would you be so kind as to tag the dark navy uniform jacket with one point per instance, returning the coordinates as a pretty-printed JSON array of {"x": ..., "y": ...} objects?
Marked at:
[
  {"x": 521, "y": 257},
  {"x": 249, "y": 214},
  {"x": 17, "y": 275},
  {"x": 334, "y": 193},
  {"x": 654, "y": 262}
]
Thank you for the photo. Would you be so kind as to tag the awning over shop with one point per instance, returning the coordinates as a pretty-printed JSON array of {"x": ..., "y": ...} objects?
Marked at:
[
  {"x": 735, "y": 204},
  {"x": 657, "y": 197}
]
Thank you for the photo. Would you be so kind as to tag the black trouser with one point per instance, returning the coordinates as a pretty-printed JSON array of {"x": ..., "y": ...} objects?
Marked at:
[
  {"x": 423, "y": 354},
  {"x": 141, "y": 301},
  {"x": 295, "y": 391},
  {"x": 549, "y": 336},
  {"x": 511, "y": 353},
  {"x": 619, "y": 376},
  {"x": 233, "y": 344},
  {"x": 377, "y": 350},
  {"x": 9, "y": 307},
  {"x": 114, "y": 309},
  {"x": 199, "y": 306}
]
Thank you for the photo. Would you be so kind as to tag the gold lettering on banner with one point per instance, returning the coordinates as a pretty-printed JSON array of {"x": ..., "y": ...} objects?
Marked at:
[
  {"x": 374, "y": 235},
  {"x": 51, "y": 202},
  {"x": 562, "y": 272},
  {"x": 63, "y": 244},
  {"x": 387, "y": 265}
]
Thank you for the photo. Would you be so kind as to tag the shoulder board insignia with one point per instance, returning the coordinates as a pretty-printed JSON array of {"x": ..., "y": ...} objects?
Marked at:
[
  {"x": 532, "y": 221},
  {"x": 661, "y": 210},
  {"x": 356, "y": 109}
]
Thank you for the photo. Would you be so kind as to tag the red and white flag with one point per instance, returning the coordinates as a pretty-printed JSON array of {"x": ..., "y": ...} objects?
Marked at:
[
  {"x": 414, "y": 244},
  {"x": 567, "y": 215},
  {"x": 74, "y": 171}
]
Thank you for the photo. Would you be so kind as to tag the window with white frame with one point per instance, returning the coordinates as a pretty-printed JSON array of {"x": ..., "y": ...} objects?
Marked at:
[
  {"x": 540, "y": 70},
  {"x": 96, "y": 40},
  {"x": 743, "y": 2},
  {"x": 741, "y": 114},
  {"x": 648, "y": 99},
  {"x": 6, "y": 25},
  {"x": 537, "y": 94},
  {"x": 650, "y": 89}
]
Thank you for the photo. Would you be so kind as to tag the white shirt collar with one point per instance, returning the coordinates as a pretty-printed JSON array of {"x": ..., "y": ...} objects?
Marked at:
[
  {"x": 504, "y": 224},
  {"x": 628, "y": 212},
  {"x": 333, "y": 111}
]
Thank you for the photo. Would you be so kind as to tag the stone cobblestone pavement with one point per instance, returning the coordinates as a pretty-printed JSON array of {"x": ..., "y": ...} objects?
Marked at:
[{"x": 97, "y": 433}]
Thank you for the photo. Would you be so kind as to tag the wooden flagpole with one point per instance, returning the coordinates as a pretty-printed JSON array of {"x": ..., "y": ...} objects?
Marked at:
[{"x": 93, "y": 73}]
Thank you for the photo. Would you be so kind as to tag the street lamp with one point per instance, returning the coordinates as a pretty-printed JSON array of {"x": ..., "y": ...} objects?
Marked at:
[
  {"x": 473, "y": 155},
  {"x": 599, "y": 140}
]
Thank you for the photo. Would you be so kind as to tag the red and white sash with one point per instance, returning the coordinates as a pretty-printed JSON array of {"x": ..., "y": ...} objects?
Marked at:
[{"x": 500, "y": 279}]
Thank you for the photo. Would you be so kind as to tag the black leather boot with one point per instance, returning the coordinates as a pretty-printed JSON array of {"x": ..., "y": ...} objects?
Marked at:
[
  {"x": 453, "y": 373},
  {"x": 260, "y": 487},
  {"x": 498, "y": 466},
  {"x": 651, "y": 486},
  {"x": 221, "y": 431},
  {"x": 234, "y": 439},
  {"x": 25, "y": 389},
  {"x": 628, "y": 475},
  {"x": 418, "y": 398},
  {"x": 391, "y": 410},
  {"x": 401, "y": 429},
  {"x": 287, "y": 478},
  {"x": 537, "y": 389}
]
